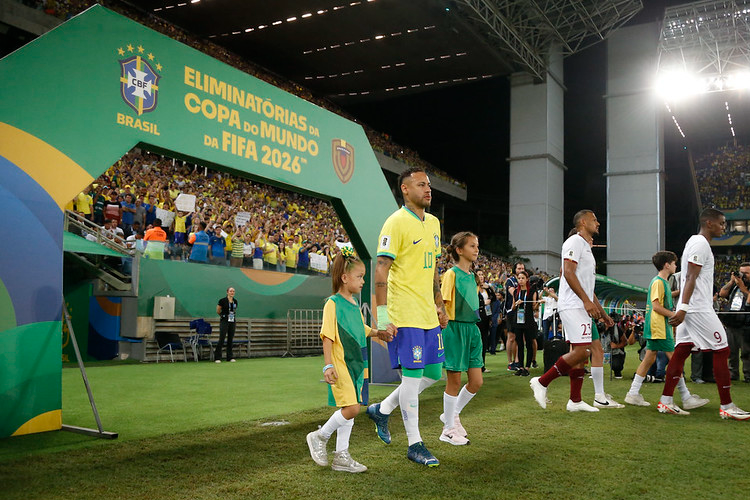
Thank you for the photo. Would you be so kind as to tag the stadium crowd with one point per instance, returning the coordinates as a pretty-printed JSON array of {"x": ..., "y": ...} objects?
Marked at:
[
  {"x": 723, "y": 177},
  {"x": 243, "y": 221},
  {"x": 381, "y": 142}
]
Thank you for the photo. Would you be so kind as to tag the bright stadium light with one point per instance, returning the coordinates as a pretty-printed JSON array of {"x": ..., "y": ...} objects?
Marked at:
[
  {"x": 679, "y": 85},
  {"x": 739, "y": 80}
]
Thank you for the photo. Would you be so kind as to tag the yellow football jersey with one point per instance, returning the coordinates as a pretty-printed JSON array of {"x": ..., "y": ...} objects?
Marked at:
[{"x": 414, "y": 246}]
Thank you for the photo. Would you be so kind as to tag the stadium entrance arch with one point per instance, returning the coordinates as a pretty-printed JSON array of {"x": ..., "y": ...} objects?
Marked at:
[{"x": 74, "y": 101}]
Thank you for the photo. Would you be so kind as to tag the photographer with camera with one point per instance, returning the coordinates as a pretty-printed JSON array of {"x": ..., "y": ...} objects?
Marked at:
[{"x": 737, "y": 292}]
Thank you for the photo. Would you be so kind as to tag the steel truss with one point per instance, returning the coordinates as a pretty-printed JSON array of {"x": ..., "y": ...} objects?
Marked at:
[
  {"x": 708, "y": 38},
  {"x": 526, "y": 29}
]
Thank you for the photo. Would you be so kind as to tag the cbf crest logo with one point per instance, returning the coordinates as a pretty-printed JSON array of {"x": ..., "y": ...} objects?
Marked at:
[
  {"x": 437, "y": 240},
  {"x": 139, "y": 80},
  {"x": 417, "y": 353},
  {"x": 342, "y": 155}
]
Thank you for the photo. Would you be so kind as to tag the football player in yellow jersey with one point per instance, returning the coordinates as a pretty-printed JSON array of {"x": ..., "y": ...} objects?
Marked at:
[{"x": 407, "y": 292}]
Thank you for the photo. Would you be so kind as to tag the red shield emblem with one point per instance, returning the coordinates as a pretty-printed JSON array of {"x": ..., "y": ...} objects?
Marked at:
[{"x": 342, "y": 155}]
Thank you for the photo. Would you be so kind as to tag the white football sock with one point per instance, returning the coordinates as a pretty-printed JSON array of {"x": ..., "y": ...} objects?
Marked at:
[
  {"x": 684, "y": 391},
  {"x": 667, "y": 400},
  {"x": 409, "y": 401},
  {"x": 597, "y": 374},
  {"x": 449, "y": 409},
  {"x": 342, "y": 435},
  {"x": 336, "y": 421},
  {"x": 392, "y": 400},
  {"x": 635, "y": 387},
  {"x": 463, "y": 399},
  {"x": 425, "y": 382}
]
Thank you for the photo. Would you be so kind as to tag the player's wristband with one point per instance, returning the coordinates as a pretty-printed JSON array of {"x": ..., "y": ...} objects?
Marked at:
[
  {"x": 682, "y": 307},
  {"x": 326, "y": 367},
  {"x": 383, "y": 320}
]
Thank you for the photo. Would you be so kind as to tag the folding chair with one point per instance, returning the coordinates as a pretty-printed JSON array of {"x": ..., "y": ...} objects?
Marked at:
[
  {"x": 169, "y": 342},
  {"x": 201, "y": 338}
]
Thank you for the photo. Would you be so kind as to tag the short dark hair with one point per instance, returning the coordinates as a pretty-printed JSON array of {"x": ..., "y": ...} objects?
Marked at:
[
  {"x": 579, "y": 216},
  {"x": 202, "y": 225},
  {"x": 407, "y": 173},
  {"x": 710, "y": 214},
  {"x": 518, "y": 263},
  {"x": 745, "y": 264},
  {"x": 661, "y": 259},
  {"x": 157, "y": 222}
]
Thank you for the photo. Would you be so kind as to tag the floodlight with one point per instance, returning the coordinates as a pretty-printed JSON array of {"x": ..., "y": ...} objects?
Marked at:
[
  {"x": 739, "y": 80},
  {"x": 676, "y": 85}
]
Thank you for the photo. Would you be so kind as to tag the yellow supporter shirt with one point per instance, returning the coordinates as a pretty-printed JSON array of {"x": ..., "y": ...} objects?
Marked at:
[
  {"x": 179, "y": 224},
  {"x": 414, "y": 246},
  {"x": 291, "y": 256},
  {"x": 273, "y": 251},
  {"x": 83, "y": 203}
]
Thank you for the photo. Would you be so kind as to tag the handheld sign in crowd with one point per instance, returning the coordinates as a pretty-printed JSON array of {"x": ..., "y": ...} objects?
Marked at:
[
  {"x": 242, "y": 218},
  {"x": 318, "y": 262},
  {"x": 185, "y": 202}
]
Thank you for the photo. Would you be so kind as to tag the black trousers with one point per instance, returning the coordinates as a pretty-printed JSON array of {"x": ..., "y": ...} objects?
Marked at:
[
  {"x": 525, "y": 336},
  {"x": 226, "y": 331}
]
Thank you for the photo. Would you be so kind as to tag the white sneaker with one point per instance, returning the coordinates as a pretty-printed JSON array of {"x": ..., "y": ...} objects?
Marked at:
[
  {"x": 580, "y": 406},
  {"x": 456, "y": 425},
  {"x": 540, "y": 392},
  {"x": 694, "y": 401},
  {"x": 606, "y": 401},
  {"x": 451, "y": 435},
  {"x": 735, "y": 413},
  {"x": 344, "y": 462},
  {"x": 671, "y": 409},
  {"x": 636, "y": 400},
  {"x": 317, "y": 446}
]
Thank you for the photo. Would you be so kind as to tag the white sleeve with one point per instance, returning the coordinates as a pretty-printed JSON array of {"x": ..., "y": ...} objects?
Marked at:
[
  {"x": 699, "y": 254},
  {"x": 572, "y": 249}
]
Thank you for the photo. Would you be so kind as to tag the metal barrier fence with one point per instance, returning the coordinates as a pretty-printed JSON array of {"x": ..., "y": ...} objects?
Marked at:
[{"x": 303, "y": 332}]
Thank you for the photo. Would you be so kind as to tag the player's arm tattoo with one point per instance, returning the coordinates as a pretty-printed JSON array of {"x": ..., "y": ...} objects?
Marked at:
[
  {"x": 436, "y": 292},
  {"x": 382, "y": 269}
]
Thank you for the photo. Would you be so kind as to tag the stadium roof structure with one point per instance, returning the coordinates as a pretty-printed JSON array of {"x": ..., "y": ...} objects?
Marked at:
[
  {"x": 357, "y": 50},
  {"x": 704, "y": 69},
  {"x": 708, "y": 37}
]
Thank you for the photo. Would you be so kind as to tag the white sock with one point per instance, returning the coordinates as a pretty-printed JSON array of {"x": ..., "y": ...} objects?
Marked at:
[
  {"x": 597, "y": 374},
  {"x": 408, "y": 399},
  {"x": 667, "y": 400},
  {"x": 463, "y": 399},
  {"x": 449, "y": 409},
  {"x": 635, "y": 387},
  {"x": 343, "y": 433},
  {"x": 336, "y": 421},
  {"x": 392, "y": 400},
  {"x": 726, "y": 407},
  {"x": 684, "y": 391},
  {"x": 425, "y": 382}
]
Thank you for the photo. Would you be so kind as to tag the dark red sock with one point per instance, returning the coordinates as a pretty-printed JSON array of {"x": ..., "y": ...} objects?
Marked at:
[
  {"x": 576, "y": 382},
  {"x": 674, "y": 368},
  {"x": 559, "y": 368},
  {"x": 721, "y": 375}
]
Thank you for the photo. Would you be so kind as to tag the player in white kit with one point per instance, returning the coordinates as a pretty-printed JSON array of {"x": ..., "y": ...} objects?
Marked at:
[
  {"x": 696, "y": 322},
  {"x": 577, "y": 305}
]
